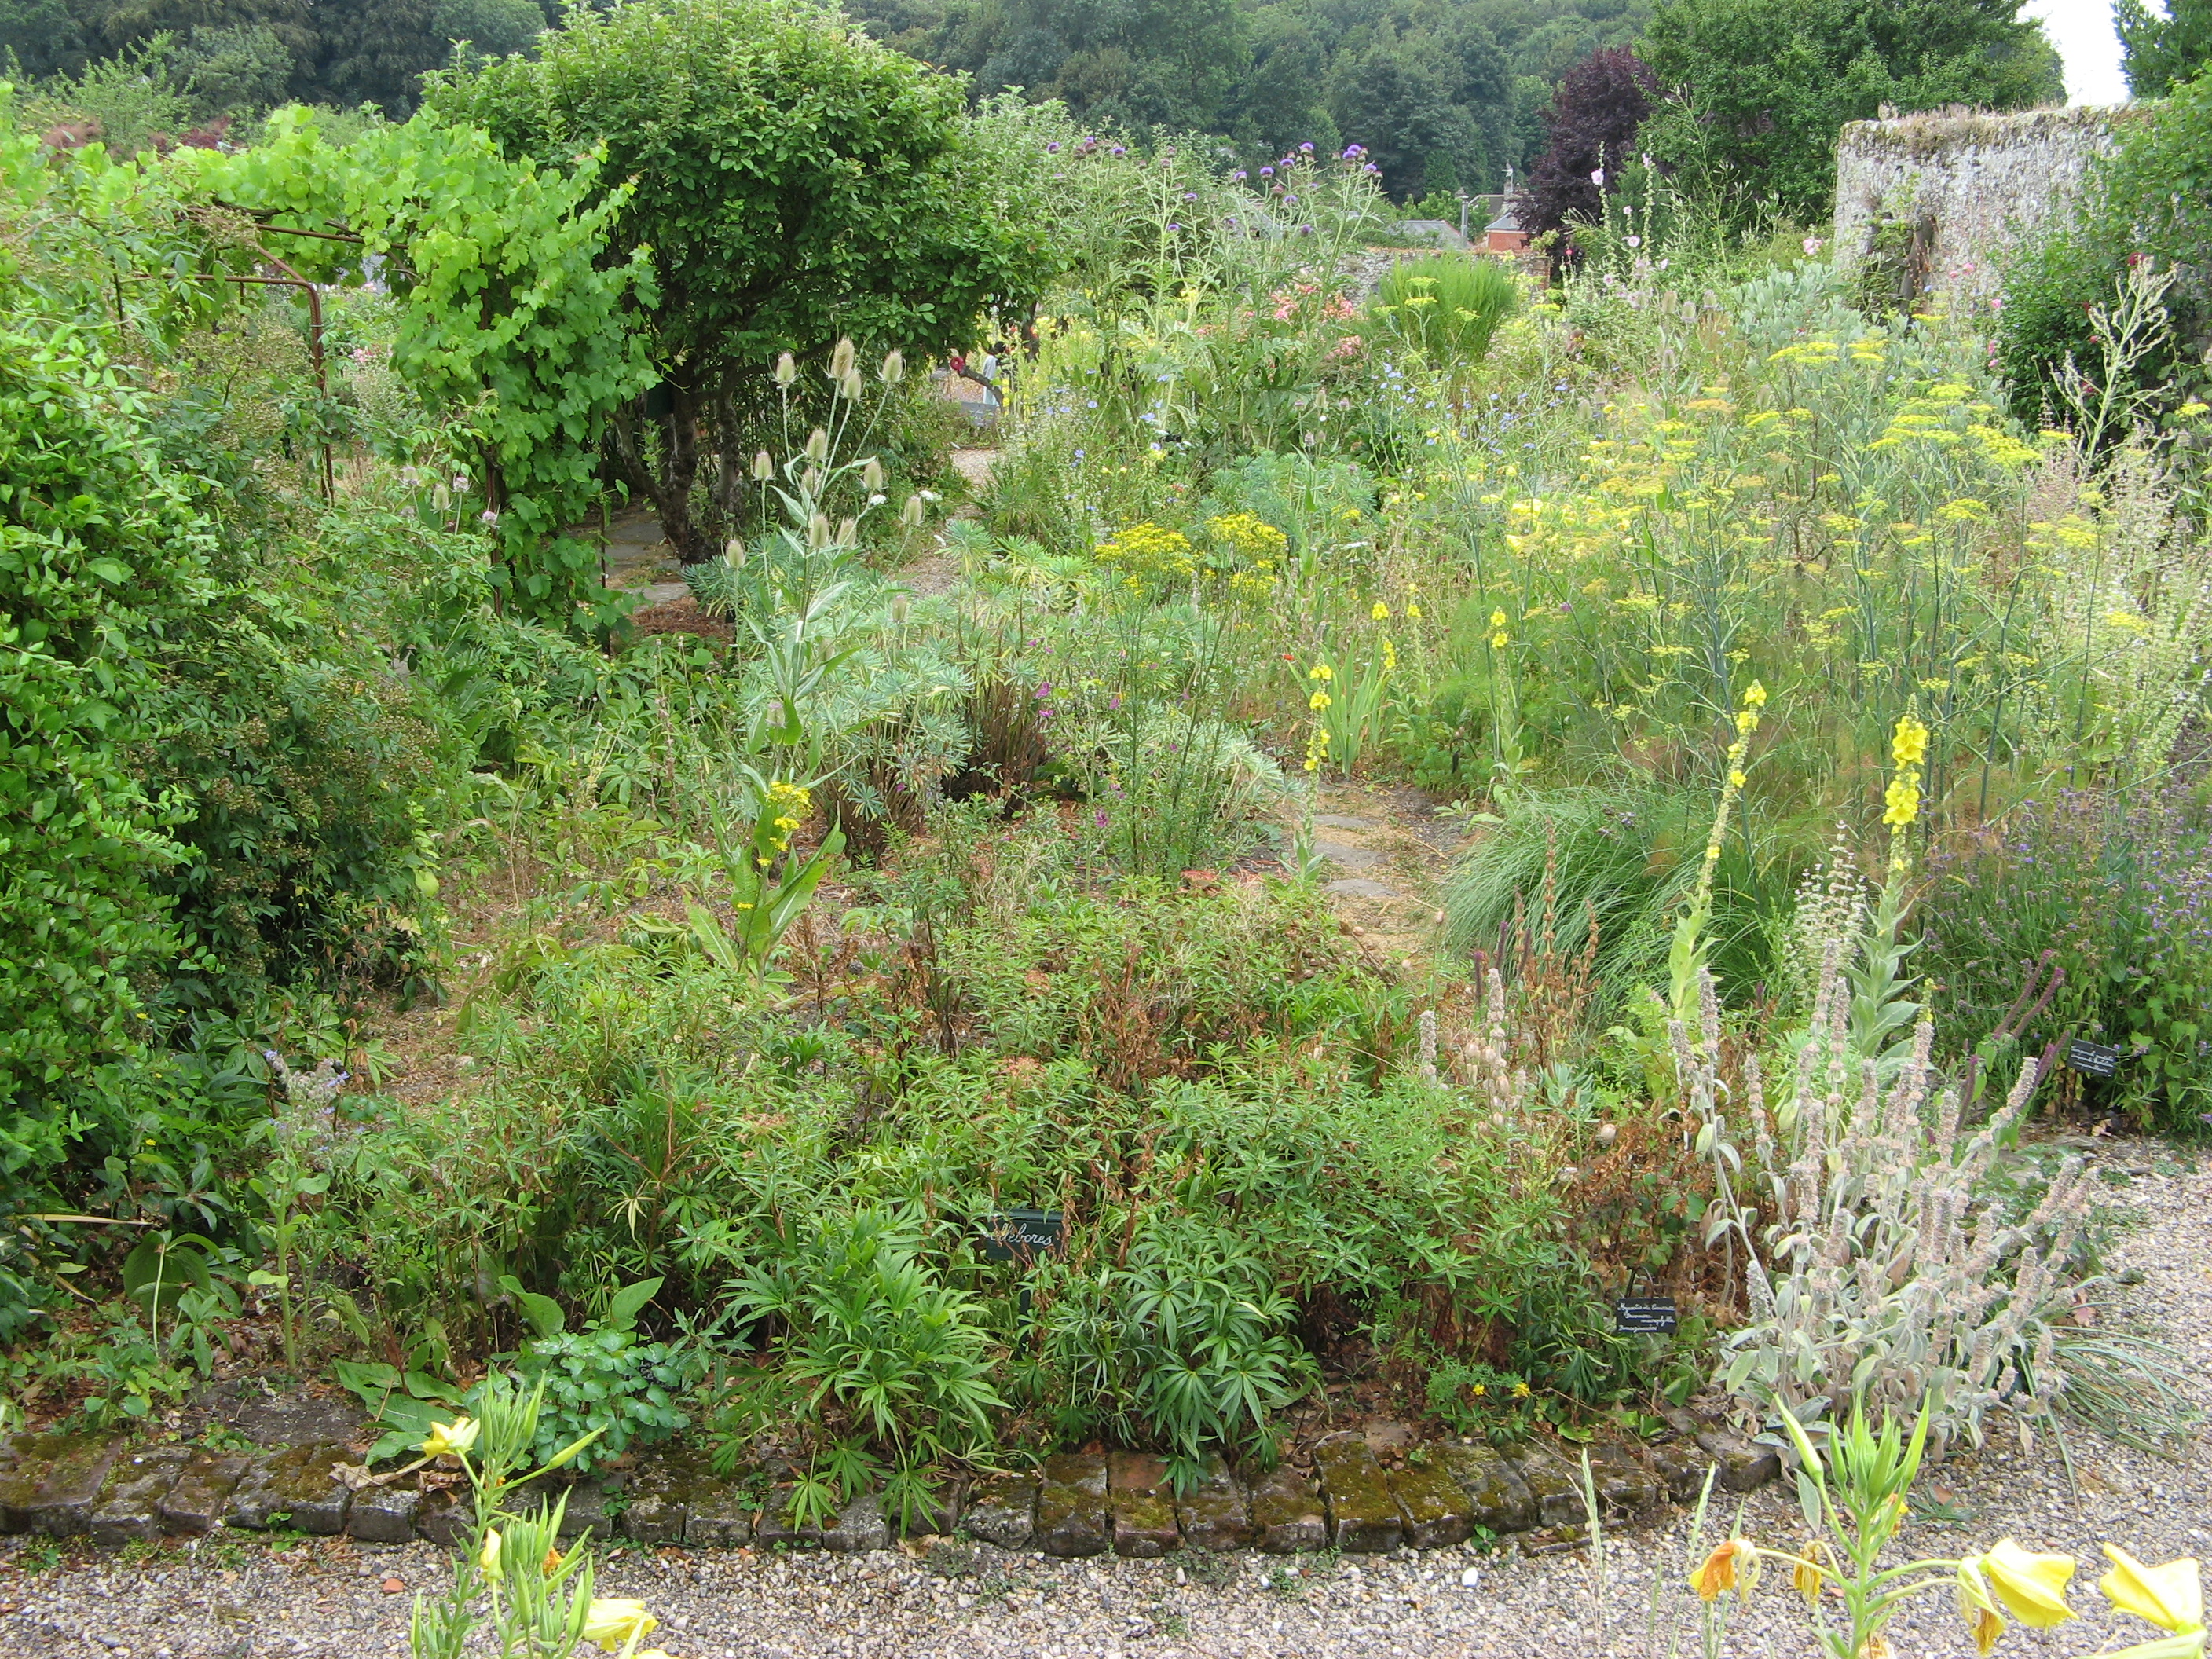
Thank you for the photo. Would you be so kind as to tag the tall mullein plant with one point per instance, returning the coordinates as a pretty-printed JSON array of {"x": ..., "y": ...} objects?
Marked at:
[
  {"x": 1881, "y": 1010},
  {"x": 1689, "y": 949}
]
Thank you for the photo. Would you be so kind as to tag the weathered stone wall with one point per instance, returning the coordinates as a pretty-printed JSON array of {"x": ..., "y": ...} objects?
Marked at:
[{"x": 1985, "y": 181}]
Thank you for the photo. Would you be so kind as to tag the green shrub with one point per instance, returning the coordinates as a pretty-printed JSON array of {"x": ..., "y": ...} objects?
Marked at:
[{"x": 605, "y": 1378}]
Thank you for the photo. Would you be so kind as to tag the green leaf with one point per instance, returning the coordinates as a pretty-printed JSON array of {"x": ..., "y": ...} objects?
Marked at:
[
  {"x": 541, "y": 1313},
  {"x": 625, "y": 1305}
]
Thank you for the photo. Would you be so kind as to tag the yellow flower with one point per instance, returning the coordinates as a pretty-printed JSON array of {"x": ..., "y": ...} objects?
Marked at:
[
  {"x": 1322, "y": 671},
  {"x": 1413, "y": 610},
  {"x": 1903, "y": 799},
  {"x": 1498, "y": 619},
  {"x": 612, "y": 1620},
  {"x": 2032, "y": 1587},
  {"x": 1806, "y": 1576},
  {"x": 1319, "y": 701},
  {"x": 1480, "y": 1390},
  {"x": 1500, "y": 640},
  {"x": 1381, "y": 612},
  {"x": 1754, "y": 696},
  {"x": 455, "y": 1438},
  {"x": 1978, "y": 1608},
  {"x": 1732, "y": 1566},
  {"x": 1736, "y": 779},
  {"x": 488, "y": 1557},
  {"x": 2171, "y": 1597},
  {"x": 1520, "y": 1391},
  {"x": 1909, "y": 747}
]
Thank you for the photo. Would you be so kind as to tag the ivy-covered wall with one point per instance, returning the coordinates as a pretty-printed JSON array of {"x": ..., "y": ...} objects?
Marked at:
[{"x": 1983, "y": 181}]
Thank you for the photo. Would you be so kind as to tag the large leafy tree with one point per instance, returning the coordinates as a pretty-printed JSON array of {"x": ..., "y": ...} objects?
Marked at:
[
  {"x": 1590, "y": 132},
  {"x": 2158, "y": 52},
  {"x": 794, "y": 181},
  {"x": 1764, "y": 87}
]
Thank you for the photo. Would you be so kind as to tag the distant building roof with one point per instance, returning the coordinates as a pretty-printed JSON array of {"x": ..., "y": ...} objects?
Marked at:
[{"x": 1439, "y": 231}]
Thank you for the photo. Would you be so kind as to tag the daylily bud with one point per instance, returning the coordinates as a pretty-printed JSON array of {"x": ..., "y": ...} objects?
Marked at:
[
  {"x": 872, "y": 474},
  {"x": 763, "y": 468},
  {"x": 488, "y": 1557},
  {"x": 840, "y": 360},
  {"x": 787, "y": 370},
  {"x": 818, "y": 445},
  {"x": 894, "y": 369}
]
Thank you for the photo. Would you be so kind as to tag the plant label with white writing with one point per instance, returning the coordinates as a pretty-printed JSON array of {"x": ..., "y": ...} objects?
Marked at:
[
  {"x": 1645, "y": 1315},
  {"x": 1020, "y": 1236},
  {"x": 2093, "y": 1058}
]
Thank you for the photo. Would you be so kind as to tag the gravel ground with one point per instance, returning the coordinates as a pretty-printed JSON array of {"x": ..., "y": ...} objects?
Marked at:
[{"x": 236, "y": 1598}]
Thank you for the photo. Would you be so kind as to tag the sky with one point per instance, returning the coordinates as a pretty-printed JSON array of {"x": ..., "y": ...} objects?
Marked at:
[{"x": 2083, "y": 32}]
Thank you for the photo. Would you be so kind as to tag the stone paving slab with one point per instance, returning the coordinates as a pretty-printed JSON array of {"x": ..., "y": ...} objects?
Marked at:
[
  {"x": 1363, "y": 1514},
  {"x": 1288, "y": 1515},
  {"x": 1071, "y": 1511}
]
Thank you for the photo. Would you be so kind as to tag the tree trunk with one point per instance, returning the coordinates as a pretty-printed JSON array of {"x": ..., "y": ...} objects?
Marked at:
[{"x": 669, "y": 490}]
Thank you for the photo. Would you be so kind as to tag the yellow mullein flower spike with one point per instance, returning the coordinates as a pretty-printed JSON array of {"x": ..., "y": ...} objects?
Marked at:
[
  {"x": 1909, "y": 747},
  {"x": 2171, "y": 1597}
]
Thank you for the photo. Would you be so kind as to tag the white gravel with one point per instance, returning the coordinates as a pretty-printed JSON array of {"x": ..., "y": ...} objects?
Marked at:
[{"x": 236, "y": 1599}]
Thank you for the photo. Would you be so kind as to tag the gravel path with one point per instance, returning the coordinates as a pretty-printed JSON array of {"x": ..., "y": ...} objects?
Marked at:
[{"x": 235, "y": 1598}]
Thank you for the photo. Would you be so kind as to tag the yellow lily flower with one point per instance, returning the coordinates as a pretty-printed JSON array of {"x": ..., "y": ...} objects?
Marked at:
[
  {"x": 2187, "y": 1644},
  {"x": 1735, "y": 1563},
  {"x": 611, "y": 1621},
  {"x": 2171, "y": 1597},
  {"x": 455, "y": 1438},
  {"x": 488, "y": 1557},
  {"x": 2032, "y": 1587},
  {"x": 1978, "y": 1608}
]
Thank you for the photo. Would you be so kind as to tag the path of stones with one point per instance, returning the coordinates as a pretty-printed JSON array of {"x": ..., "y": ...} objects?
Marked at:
[{"x": 186, "y": 1554}]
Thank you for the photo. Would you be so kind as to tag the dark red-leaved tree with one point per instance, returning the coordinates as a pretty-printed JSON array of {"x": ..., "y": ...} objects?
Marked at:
[{"x": 1591, "y": 125}]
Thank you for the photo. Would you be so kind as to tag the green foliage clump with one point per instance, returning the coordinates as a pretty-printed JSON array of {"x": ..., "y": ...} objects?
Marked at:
[
  {"x": 105, "y": 565},
  {"x": 604, "y": 1379},
  {"x": 1450, "y": 307}
]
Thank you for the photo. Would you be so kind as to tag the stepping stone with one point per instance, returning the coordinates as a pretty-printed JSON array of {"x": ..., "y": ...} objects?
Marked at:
[
  {"x": 1360, "y": 887},
  {"x": 1344, "y": 821},
  {"x": 1070, "y": 1513},
  {"x": 77, "y": 1470},
  {"x": 1142, "y": 1506},
  {"x": 1626, "y": 1484},
  {"x": 1557, "y": 1490},
  {"x": 1744, "y": 1465},
  {"x": 130, "y": 1508},
  {"x": 445, "y": 1517},
  {"x": 858, "y": 1525},
  {"x": 1680, "y": 1468},
  {"x": 1436, "y": 1509},
  {"x": 1002, "y": 1511},
  {"x": 1287, "y": 1514},
  {"x": 201, "y": 1495},
  {"x": 660, "y": 1490},
  {"x": 1497, "y": 1496},
  {"x": 1213, "y": 1514},
  {"x": 718, "y": 1516},
  {"x": 25, "y": 1472},
  {"x": 383, "y": 1515},
  {"x": 1363, "y": 1516},
  {"x": 1343, "y": 853},
  {"x": 296, "y": 1488}
]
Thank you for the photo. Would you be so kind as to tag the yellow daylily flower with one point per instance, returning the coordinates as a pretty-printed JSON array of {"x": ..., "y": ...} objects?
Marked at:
[
  {"x": 2032, "y": 1587},
  {"x": 611, "y": 1621},
  {"x": 1978, "y": 1608},
  {"x": 455, "y": 1438},
  {"x": 2171, "y": 1597},
  {"x": 1735, "y": 1563}
]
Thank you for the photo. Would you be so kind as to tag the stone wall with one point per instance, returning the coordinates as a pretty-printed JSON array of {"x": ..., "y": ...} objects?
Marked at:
[{"x": 1975, "y": 184}]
